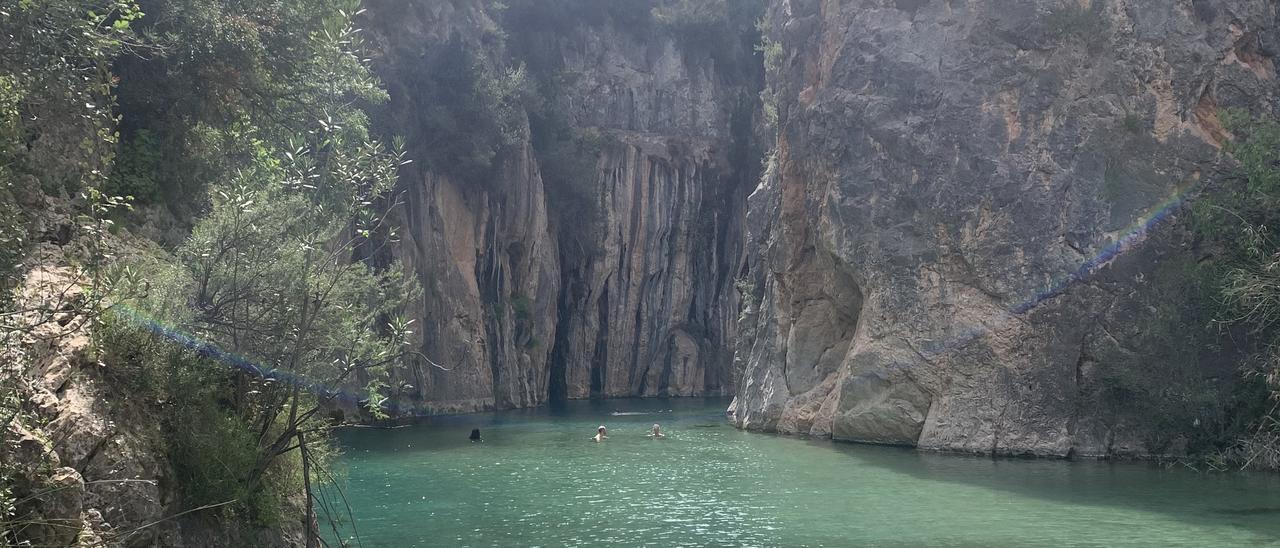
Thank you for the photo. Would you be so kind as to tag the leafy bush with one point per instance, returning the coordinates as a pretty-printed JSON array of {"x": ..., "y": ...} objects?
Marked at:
[
  {"x": 1132, "y": 122},
  {"x": 1234, "y": 220},
  {"x": 266, "y": 70},
  {"x": 135, "y": 172},
  {"x": 719, "y": 28},
  {"x": 691, "y": 16},
  {"x": 569, "y": 158},
  {"x": 209, "y": 445},
  {"x": 13, "y": 241},
  {"x": 472, "y": 111}
]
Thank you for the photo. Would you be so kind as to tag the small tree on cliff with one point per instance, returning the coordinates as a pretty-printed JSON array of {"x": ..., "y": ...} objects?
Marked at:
[
  {"x": 267, "y": 314},
  {"x": 269, "y": 283}
]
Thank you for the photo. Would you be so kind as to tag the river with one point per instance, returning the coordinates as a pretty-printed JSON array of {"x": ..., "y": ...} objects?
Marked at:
[{"x": 538, "y": 480}]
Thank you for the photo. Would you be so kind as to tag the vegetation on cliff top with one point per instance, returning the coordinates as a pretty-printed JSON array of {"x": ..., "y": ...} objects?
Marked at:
[{"x": 244, "y": 121}]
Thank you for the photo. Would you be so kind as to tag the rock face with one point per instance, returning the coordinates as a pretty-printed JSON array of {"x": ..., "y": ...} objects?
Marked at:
[
  {"x": 86, "y": 460},
  {"x": 971, "y": 202},
  {"x": 652, "y": 313},
  {"x": 616, "y": 280}
]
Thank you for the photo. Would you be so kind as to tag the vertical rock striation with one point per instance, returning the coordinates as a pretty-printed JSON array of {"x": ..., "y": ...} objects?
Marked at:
[
  {"x": 970, "y": 210},
  {"x": 621, "y": 285}
]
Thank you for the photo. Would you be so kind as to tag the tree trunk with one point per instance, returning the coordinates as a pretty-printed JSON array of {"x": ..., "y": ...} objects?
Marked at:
[{"x": 312, "y": 532}]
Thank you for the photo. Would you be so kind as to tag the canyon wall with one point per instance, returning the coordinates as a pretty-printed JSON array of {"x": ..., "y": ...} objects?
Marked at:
[
  {"x": 972, "y": 222},
  {"x": 970, "y": 234},
  {"x": 610, "y": 277}
]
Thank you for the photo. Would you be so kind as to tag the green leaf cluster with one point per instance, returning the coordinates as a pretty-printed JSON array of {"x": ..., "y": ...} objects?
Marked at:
[
  {"x": 1236, "y": 221},
  {"x": 259, "y": 107}
]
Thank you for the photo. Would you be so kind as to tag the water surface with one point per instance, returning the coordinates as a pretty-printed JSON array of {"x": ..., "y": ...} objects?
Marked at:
[{"x": 538, "y": 480}]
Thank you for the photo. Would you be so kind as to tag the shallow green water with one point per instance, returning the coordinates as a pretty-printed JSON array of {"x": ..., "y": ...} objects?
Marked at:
[{"x": 537, "y": 480}]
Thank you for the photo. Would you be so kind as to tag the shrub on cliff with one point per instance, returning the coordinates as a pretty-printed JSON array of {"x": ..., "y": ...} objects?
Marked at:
[
  {"x": 56, "y": 138},
  {"x": 1236, "y": 221},
  {"x": 263, "y": 317},
  {"x": 266, "y": 313},
  {"x": 134, "y": 173},
  {"x": 474, "y": 110},
  {"x": 55, "y": 106}
]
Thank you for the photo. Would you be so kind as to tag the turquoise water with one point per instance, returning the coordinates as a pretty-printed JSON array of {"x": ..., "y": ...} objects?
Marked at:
[{"x": 538, "y": 480}]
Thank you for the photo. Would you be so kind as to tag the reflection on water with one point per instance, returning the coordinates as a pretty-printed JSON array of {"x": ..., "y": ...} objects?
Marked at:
[{"x": 537, "y": 479}]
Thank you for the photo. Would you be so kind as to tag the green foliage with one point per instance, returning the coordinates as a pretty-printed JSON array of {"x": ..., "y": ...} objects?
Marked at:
[
  {"x": 561, "y": 16},
  {"x": 10, "y": 407},
  {"x": 749, "y": 299},
  {"x": 8, "y": 506},
  {"x": 225, "y": 70},
  {"x": 715, "y": 27},
  {"x": 691, "y": 16},
  {"x": 1235, "y": 221},
  {"x": 1258, "y": 154},
  {"x": 211, "y": 448},
  {"x": 13, "y": 241},
  {"x": 56, "y": 89},
  {"x": 569, "y": 160},
  {"x": 135, "y": 172},
  {"x": 473, "y": 111},
  {"x": 772, "y": 51},
  {"x": 1132, "y": 123},
  {"x": 55, "y": 105},
  {"x": 257, "y": 105},
  {"x": 268, "y": 276}
]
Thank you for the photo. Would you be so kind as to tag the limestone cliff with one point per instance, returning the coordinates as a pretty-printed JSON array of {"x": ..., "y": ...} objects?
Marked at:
[
  {"x": 613, "y": 280},
  {"x": 970, "y": 211}
]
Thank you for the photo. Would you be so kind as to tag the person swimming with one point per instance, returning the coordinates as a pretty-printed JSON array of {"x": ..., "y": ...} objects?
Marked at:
[
  {"x": 475, "y": 434},
  {"x": 656, "y": 432},
  {"x": 600, "y": 435}
]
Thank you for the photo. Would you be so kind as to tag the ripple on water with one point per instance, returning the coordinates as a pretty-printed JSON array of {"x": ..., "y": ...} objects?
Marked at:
[{"x": 537, "y": 481}]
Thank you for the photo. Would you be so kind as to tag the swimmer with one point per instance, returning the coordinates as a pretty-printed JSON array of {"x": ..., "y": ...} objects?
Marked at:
[
  {"x": 657, "y": 432},
  {"x": 600, "y": 435},
  {"x": 475, "y": 434}
]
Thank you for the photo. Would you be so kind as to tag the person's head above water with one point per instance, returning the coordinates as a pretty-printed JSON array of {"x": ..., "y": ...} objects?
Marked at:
[
  {"x": 600, "y": 429},
  {"x": 657, "y": 429},
  {"x": 475, "y": 434}
]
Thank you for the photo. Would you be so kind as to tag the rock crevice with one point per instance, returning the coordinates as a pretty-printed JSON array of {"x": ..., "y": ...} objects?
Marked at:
[{"x": 610, "y": 277}]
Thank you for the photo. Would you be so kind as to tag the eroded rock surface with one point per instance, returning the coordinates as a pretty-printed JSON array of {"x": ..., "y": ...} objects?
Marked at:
[
  {"x": 624, "y": 290},
  {"x": 970, "y": 209},
  {"x": 88, "y": 461}
]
